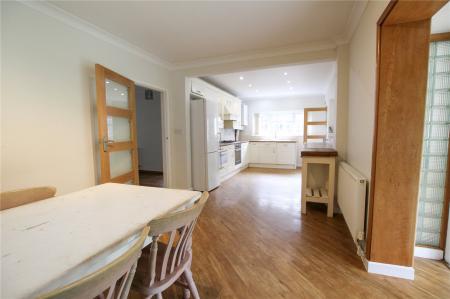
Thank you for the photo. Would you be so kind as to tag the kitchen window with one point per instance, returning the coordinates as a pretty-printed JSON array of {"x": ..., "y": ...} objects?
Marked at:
[{"x": 278, "y": 123}]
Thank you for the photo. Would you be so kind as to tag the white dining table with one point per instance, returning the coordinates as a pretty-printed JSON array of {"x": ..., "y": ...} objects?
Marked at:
[{"x": 50, "y": 243}]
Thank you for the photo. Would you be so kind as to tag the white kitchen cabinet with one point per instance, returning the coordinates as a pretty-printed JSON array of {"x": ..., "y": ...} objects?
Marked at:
[
  {"x": 267, "y": 152},
  {"x": 286, "y": 153},
  {"x": 253, "y": 151},
  {"x": 274, "y": 154},
  {"x": 245, "y": 154}
]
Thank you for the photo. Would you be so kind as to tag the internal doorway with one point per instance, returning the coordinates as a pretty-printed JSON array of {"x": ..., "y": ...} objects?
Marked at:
[{"x": 150, "y": 139}]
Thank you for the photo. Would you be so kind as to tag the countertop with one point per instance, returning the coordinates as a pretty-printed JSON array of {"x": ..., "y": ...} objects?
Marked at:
[
  {"x": 280, "y": 141},
  {"x": 225, "y": 143},
  {"x": 318, "y": 150}
]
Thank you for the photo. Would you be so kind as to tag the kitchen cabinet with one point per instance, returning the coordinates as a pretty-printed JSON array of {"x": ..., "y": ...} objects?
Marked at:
[
  {"x": 253, "y": 152},
  {"x": 267, "y": 152},
  {"x": 286, "y": 153},
  {"x": 273, "y": 154},
  {"x": 245, "y": 154}
]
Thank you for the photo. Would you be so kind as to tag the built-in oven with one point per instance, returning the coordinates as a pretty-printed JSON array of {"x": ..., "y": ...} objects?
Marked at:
[{"x": 237, "y": 153}]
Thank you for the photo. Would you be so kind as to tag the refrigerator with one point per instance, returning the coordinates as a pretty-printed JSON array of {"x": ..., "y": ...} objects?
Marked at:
[{"x": 205, "y": 140}]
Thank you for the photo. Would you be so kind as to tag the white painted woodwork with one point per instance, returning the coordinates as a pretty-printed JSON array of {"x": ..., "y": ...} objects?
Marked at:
[
  {"x": 273, "y": 154},
  {"x": 245, "y": 154},
  {"x": 44, "y": 242},
  {"x": 230, "y": 107},
  {"x": 314, "y": 194},
  {"x": 352, "y": 198}
]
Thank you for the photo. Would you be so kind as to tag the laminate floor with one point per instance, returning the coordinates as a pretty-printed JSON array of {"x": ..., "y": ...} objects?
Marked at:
[
  {"x": 151, "y": 179},
  {"x": 251, "y": 241}
]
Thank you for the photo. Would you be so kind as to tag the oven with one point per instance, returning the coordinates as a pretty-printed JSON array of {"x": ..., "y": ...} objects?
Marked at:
[{"x": 237, "y": 154}]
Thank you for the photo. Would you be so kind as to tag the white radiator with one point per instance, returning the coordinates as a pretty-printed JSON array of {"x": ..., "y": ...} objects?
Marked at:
[{"x": 352, "y": 199}]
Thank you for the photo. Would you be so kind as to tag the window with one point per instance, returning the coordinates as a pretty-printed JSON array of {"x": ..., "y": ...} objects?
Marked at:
[{"x": 278, "y": 123}]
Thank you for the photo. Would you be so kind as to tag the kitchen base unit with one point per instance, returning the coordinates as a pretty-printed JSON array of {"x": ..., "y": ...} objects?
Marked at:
[
  {"x": 273, "y": 154},
  {"x": 233, "y": 159}
]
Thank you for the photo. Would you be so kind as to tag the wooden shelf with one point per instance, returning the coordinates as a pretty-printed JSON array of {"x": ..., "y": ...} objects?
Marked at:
[
  {"x": 316, "y": 123},
  {"x": 317, "y": 195}
]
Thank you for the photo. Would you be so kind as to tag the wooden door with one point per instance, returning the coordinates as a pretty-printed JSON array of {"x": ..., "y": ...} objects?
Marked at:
[{"x": 116, "y": 113}]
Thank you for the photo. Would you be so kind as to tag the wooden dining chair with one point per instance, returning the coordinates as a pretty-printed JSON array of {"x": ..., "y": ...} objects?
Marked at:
[
  {"x": 15, "y": 198},
  {"x": 164, "y": 263},
  {"x": 112, "y": 281}
]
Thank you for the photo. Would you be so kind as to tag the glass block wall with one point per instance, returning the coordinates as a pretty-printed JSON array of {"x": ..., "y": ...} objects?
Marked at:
[{"x": 435, "y": 146}]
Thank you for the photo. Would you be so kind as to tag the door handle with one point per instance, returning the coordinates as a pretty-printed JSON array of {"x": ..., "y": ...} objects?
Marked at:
[{"x": 106, "y": 142}]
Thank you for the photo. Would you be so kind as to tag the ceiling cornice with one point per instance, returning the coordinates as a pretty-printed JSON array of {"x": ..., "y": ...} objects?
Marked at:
[
  {"x": 352, "y": 22},
  {"x": 258, "y": 54},
  {"x": 82, "y": 25}
]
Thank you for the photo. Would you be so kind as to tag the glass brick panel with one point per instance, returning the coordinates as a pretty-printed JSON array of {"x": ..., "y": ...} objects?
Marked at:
[{"x": 435, "y": 146}]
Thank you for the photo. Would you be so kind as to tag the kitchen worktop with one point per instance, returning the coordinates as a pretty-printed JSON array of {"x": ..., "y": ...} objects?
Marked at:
[
  {"x": 269, "y": 140},
  {"x": 225, "y": 143},
  {"x": 318, "y": 150}
]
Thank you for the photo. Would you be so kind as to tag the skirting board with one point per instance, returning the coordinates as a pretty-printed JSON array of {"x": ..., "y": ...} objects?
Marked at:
[
  {"x": 389, "y": 269},
  {"x": 280, "y": 166},
  {"x": 429, "y": 253}
]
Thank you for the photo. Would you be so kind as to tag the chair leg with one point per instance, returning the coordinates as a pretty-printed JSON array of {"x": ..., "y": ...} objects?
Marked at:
[
  {"x": 186, "y": 293},
  {"x": 191, "y": 283}
]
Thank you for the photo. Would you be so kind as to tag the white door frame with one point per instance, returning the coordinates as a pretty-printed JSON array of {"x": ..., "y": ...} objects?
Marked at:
[{"x": 165, "y": 127}]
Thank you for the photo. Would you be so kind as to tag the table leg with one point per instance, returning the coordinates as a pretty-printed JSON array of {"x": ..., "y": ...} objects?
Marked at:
[
  {"x": 331, "y": 176},
  {"x": 304, "y": 180}
]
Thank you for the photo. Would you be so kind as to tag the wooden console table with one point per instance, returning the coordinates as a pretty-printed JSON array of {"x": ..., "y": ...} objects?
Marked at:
[{"x": 322, "y": 193}]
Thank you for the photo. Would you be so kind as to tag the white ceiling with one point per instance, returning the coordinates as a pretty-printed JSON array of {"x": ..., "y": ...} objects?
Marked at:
[
  {"x": 306, "y": 79},
  {"x": 185, "y": 31},
  {"x": 440, "y": 22}
]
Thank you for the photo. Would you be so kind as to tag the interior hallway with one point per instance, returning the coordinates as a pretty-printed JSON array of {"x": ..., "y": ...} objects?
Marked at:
[{"x": 252, "y": 242}]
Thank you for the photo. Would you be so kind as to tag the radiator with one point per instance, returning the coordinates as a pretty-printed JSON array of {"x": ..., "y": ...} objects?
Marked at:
[{"x": 352, "y": 199}]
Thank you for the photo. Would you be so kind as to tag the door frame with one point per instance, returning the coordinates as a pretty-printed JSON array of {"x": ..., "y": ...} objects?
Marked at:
[
  {"x": 392, "y": 216},
  {"x": 165, "y": 127}
]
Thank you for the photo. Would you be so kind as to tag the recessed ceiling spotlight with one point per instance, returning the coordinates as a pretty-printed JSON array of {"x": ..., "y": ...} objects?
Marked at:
[
  {"x": 115, "y": 89},
  {"x": 291, "y": 88},
  {"x": 250, "y": 85},
  {"x": 285, "y": 73},
  {"x": 288, "y": 82},
  {"x": 257, "y": 90},
  {"x": 122, "y": 94},
  {"x": 241, "y": 78},
  {"x": 107, "y": 82}
]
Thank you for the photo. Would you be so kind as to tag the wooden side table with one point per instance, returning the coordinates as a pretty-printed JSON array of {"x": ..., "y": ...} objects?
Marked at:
[{"x": 315, "y": 154}]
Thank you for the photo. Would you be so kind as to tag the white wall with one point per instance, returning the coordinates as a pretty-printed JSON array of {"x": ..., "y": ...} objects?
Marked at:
[
  {"x": 361, "y": 100},
  {"x": 330, "y": 99},
  {"x": 48, "y": 99},
  {"x": 149, "y": 130}
]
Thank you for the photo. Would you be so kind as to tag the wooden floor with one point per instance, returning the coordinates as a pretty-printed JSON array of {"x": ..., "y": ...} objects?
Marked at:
[
  {"x": 252, "y": 242},
  {"x": 151, "y": 179}
]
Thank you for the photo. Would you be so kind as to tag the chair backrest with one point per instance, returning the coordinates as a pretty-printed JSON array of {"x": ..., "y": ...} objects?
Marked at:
[
  {"x": 15, "y": 198},
  {"x": 176, "y": 253},
  {"x": 112, "y": 281}
]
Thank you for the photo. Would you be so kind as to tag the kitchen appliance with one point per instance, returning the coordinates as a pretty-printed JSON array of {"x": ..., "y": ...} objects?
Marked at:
[
  {"x": 205, "y": 140},
  {"x": 223, "y": 160},
  {"x": 237, "y": 153}
]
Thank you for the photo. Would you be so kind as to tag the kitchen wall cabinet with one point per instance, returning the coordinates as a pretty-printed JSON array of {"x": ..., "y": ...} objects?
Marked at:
[{"x": 230, "y": 107}]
